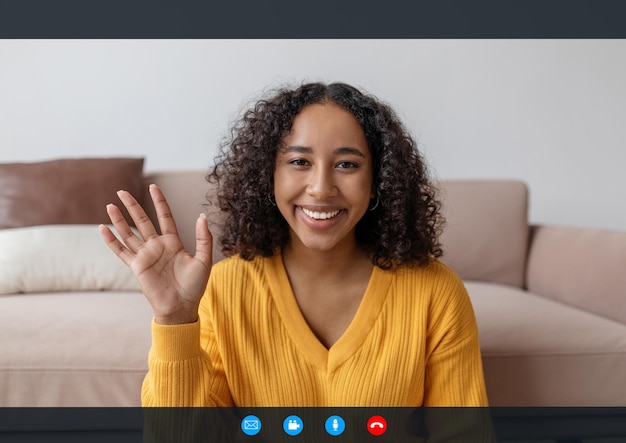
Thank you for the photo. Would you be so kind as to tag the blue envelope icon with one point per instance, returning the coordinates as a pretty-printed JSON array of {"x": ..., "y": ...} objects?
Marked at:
[{"x": 251, "y": 425}]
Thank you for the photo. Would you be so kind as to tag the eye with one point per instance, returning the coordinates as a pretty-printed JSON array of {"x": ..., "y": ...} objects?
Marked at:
[
  {"x": 298, "y": 162},
  {"x": 347, "y": 165}
]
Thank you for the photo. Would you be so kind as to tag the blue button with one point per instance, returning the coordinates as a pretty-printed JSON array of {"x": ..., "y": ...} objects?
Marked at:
[
  {"x": 293, "y": 425},
  {"x": 251, "y": 425},
  {"x": 335, "y": 425}
]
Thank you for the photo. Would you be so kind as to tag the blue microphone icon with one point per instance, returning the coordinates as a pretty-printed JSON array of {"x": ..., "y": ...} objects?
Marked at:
[{"x": 335, "y": 425}]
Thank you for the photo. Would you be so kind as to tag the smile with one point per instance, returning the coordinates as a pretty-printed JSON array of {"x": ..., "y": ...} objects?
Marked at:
[{"x": 320, "y": 215}]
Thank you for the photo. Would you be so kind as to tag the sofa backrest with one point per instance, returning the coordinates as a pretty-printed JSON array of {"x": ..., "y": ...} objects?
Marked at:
[
  {"x": 583, "y": 267},
  {"x": 486, "y": 234},
  {"x": 186, "y": 193},
  {"x": 485, "y": 237}
]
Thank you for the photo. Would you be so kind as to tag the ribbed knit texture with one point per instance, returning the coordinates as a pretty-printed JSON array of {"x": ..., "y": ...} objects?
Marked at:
[{"x": 412, "y": 342}]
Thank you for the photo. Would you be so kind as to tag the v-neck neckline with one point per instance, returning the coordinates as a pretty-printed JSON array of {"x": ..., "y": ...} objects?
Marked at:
[{"x": 299, "y": 330}]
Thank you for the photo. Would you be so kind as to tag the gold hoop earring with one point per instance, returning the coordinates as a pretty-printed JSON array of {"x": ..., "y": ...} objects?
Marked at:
[{"x": 375, "y": 206}]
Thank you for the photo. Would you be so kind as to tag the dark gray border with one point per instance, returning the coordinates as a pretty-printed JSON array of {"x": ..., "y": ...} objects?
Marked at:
[{"x": 190, "y": 19}]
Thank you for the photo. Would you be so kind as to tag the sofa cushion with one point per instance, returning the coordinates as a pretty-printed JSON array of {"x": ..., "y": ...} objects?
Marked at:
[
  {"x": 583, "y": 267},
  {"x": 540, "y": 352},
  {"x": 73, "y": 349},
  {"x": 486, "y": 233},
  {"x": 60, "y": 258},
  {"x": 67, "y": 191}
]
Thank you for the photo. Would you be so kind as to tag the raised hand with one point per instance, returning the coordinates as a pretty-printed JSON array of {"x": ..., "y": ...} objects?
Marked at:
[{"x": 171, "y": 278}]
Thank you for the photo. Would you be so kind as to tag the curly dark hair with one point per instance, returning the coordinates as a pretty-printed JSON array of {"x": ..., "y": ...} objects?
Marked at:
[{"x": 402, "y": 230}]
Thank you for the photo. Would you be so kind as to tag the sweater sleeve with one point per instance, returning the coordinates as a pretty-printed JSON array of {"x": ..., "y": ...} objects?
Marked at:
[
  {"x": 185, "y": 367},
  {"x": 454, "y": 373}
]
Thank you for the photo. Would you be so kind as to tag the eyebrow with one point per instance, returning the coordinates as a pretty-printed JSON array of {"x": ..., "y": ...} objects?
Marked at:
[{"x": 338, "y": 151}]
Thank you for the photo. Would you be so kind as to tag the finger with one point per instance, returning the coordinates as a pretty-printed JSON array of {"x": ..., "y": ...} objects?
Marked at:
[
  {"x": 204, "y": 241},
  {"x": 163, "y": 211},
  {"x": 121, "y": 226},
  {"x": 115, "y": 245},
  {"x": 141, "y": 220}
]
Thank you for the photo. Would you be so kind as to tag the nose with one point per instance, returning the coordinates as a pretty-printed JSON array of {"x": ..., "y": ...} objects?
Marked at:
[{"x": 321, "y": 184}]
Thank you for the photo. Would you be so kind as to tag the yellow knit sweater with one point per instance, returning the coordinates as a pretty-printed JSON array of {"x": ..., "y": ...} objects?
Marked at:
[{"x": 412, "y": 342}]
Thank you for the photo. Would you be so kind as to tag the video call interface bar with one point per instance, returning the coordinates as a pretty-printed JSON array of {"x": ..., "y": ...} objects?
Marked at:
[{"x": 327, "y": 424}]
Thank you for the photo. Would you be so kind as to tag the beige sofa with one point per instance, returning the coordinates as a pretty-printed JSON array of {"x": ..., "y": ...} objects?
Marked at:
[{"x": 550, "y": 304}]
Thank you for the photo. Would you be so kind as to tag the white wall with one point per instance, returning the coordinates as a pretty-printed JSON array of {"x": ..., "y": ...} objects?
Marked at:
[{"x": 550, "y": 112}]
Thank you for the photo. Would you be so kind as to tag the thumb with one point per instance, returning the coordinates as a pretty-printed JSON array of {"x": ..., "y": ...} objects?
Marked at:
[{"x": 204, "y": 241}]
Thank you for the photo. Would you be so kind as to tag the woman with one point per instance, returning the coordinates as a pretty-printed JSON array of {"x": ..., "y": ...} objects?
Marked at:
[{"x": 332, "y": 294}]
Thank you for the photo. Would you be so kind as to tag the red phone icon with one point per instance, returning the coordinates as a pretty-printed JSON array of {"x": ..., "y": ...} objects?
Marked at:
[{"x": 376, "y": 425}]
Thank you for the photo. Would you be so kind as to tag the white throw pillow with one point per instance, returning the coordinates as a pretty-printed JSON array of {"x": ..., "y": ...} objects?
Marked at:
[{"x": 60, "y": 258}]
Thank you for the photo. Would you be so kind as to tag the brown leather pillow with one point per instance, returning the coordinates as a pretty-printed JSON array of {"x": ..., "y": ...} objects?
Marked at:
[{"x": 66, "y": 191}]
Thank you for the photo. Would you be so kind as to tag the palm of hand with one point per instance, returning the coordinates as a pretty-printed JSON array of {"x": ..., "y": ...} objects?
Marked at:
[{"x": 169, "y": 275}]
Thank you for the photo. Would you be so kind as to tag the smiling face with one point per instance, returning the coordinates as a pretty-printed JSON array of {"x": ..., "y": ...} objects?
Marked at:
[{"x": 323, "y": 178}]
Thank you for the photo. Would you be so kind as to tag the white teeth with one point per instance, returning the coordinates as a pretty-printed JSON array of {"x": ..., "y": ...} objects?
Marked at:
[{"x": 320, "y": 215}]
